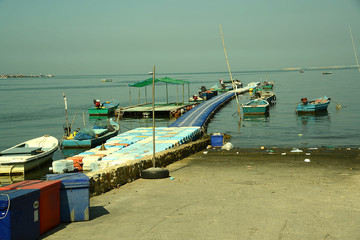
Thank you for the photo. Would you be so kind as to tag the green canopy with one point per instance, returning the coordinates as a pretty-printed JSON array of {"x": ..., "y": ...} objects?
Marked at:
[{"x": 149, "y": 81}]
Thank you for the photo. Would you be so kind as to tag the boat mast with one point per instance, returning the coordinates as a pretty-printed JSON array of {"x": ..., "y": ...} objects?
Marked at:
[
  {"x": 354, "y": 49},
  {"x": 66, "y": 116},
  {"x": 232, "y": 82}
]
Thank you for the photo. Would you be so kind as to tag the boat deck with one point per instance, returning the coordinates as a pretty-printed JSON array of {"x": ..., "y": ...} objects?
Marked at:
[{"x": 161, "y": 109}]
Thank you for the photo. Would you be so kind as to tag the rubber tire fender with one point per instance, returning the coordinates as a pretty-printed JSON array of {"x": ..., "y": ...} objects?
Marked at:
[{"x": 154, "y": 173}]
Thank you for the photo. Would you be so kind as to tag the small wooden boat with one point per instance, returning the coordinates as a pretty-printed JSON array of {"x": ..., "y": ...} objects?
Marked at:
[
  {"x": 256, "y": 107},
  {"x": 268, "y": 85},
  {"x": 27, "y": 155},
  {"x": 314, "y": 106},
  {"x": 91, "y": 137},
  {"x": 103, "y": 109},
  {"x": 267, "y": 95},
  {"x": 195, "y": 98},
  {"x": 326, "y": 73},
  {"x": 224, "y": 86}
]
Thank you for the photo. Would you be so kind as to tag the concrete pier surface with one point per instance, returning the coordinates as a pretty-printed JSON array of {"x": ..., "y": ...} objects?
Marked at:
[{"x": 236, "y": 194}]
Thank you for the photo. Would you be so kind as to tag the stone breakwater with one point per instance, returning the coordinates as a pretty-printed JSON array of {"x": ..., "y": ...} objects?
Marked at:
[
  {"x": 104, "y": 180},
  {"x": 23, "y": 76}
]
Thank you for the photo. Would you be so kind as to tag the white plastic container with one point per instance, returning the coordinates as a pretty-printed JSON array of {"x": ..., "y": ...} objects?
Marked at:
[
  {"x": 63, "y": 166},
  {"x": 88, "y": 160}
]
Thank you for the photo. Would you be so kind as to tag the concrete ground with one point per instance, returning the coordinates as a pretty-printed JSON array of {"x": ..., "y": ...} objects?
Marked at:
[{"x": 236, "y": 194}]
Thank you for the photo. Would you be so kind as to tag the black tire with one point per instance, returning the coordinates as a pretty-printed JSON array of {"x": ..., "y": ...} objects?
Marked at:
[
  {"x": 274, "y": 98},
  {"x": 155, "y": 173}
]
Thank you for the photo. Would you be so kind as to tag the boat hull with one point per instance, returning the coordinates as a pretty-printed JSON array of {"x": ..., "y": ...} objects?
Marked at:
[
  {"x": 19, "y": 164},
  {"x": 256, "y": 107},
  {"x": 99, "y": 111},
  {"x": 313, "y": 107},
  {"x": 263, "y": 110},
  {"x": 107, "y": 108},
  {"x": 267, "y": 87},
  {"x": 88, "y": 143}
]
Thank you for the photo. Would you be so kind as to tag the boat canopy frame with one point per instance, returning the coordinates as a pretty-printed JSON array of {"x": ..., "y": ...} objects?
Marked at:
[{"x": 165, "y": 80}]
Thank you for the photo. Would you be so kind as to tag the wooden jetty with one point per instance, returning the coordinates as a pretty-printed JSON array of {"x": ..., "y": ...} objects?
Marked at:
[
  {"x": 162, "y": 110},
  {"x": 167, "y": 109}
]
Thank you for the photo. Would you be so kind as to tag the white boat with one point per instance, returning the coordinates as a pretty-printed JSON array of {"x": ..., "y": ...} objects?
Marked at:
[
  {"x": 27, "y": 155},
  {"x": 107, "y": 79}
]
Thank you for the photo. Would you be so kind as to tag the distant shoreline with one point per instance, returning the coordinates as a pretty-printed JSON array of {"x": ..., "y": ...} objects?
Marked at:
[
  {"x": 288, "y": 69},
  {"x": 23, "y": 76}
]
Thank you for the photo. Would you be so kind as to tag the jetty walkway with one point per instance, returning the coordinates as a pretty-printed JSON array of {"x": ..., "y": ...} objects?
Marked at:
[
  {"x": 200, "y": 115},
  {"x": 127, "y": 153},
  {"x": 137, "y": 143}
]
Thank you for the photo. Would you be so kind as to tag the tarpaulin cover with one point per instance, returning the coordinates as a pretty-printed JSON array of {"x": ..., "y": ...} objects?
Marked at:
[{"x": 149, "y": 81}]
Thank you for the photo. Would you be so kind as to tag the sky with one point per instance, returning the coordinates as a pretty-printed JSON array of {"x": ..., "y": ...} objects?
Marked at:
[{"x": 131, "y": 36}]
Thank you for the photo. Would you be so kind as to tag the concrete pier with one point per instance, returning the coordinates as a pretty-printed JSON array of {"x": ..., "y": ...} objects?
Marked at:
[{"x": 237, "y": 194}]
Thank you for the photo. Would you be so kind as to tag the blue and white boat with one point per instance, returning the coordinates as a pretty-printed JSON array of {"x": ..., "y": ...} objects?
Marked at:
[
  {"x": 256, "y": 107},
  {"x": 90, "y": 137},
  {"x": 314, "y": 106}
]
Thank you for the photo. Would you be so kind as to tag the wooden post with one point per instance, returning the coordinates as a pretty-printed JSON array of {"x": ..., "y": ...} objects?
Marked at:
[
  {"x": 145, "y": 95},
  {"x": 188, "y": 92},
  {"x": 167, "y": 97},
  {"x": 183, "y": 93},
  {"x": 177, "y": 95},
  {"x": 130, "y": 96}
]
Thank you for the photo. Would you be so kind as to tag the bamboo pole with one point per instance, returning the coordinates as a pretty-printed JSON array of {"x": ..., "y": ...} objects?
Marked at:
[
  {"x": 73, "y": 119},
  {"x": 232, "y": 82},
  {"x": 357, "y": 62},
  {"x": 84, "y": 119}
]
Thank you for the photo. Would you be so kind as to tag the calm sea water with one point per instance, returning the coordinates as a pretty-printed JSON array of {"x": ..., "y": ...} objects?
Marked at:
[{"x": 32, "y": 107}]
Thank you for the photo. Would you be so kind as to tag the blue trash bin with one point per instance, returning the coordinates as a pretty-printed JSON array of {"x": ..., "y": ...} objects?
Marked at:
[
  {"x": 74, "y": 196},
  {"x": 217, "y": 140}
]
